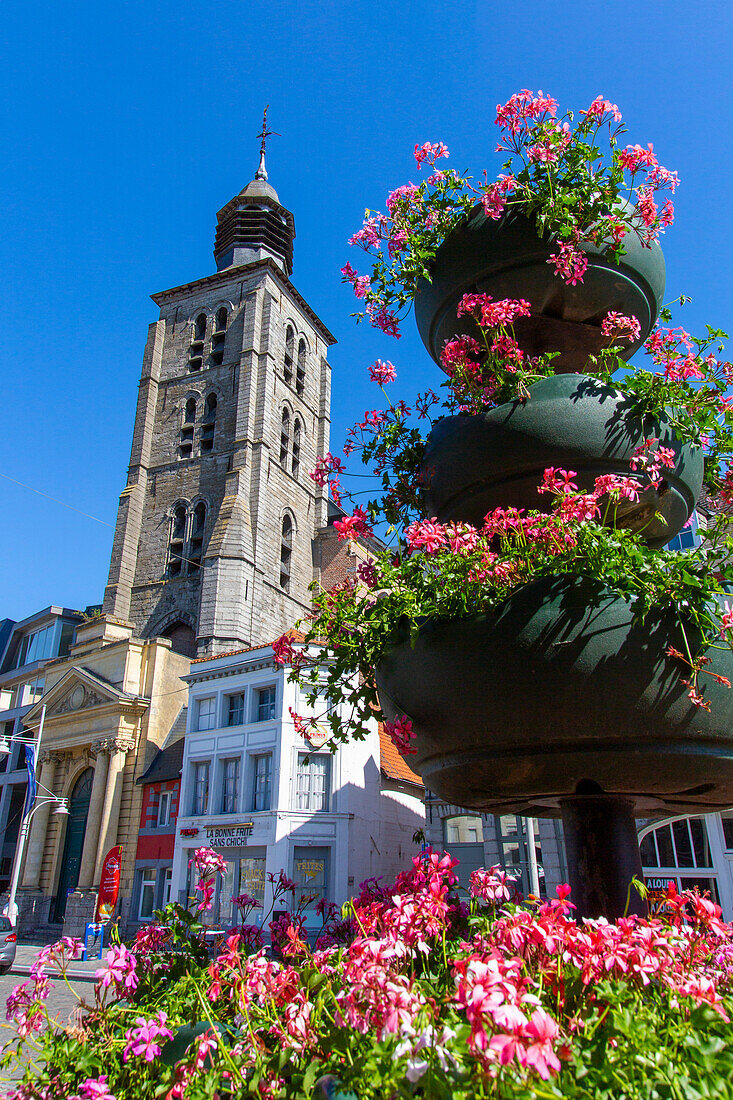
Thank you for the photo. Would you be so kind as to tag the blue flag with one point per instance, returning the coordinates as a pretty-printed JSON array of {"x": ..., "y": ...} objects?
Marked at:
[{"x": 30, "y": 794}]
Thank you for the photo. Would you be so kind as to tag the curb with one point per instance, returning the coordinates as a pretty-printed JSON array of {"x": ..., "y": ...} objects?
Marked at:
[{"x": 77, "y": 975}]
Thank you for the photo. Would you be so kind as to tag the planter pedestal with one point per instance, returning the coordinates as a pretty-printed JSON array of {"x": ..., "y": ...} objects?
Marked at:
[{"x": 602, "y": 853}]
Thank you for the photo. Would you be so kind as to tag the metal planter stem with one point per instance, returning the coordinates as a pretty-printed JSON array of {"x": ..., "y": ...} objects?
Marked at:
[{"x": 602, "y": 853}]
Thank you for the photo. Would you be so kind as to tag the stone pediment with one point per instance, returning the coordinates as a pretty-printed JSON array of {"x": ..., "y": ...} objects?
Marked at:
[
  {"x": 79, "y": 690},
  {"x": 77, "y": 698}
]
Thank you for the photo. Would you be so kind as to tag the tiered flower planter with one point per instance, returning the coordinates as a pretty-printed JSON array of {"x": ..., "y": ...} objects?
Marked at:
[
  {"x": 474, "y": 464},
  {"x": 507, "y": 259},
  {"x": 560, "y": 703}
]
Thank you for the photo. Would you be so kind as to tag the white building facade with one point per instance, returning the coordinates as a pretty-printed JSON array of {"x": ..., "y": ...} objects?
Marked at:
[{"x": 268, "y": 799}]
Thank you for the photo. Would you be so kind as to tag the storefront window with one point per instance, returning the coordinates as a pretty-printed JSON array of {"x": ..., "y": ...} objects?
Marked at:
[
  {"x": 727, "y": 821},
  {"x": 244, "y": 875},
  {"x": 511, "y": 834},
  {"x": 310, "y": 872},
  {"x": 252, "y": 877},
  {"x": 677, "y": 846}
]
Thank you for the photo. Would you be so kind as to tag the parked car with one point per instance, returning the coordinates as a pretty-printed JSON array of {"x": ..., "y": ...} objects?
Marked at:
[{"x": 8, "y": 940}]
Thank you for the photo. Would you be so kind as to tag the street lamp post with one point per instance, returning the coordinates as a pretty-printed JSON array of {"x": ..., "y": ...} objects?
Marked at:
[{"x": 62, "y": 807}]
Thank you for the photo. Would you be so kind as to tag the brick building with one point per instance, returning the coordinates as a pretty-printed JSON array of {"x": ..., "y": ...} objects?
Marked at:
[{"x": 161, "y": 785}]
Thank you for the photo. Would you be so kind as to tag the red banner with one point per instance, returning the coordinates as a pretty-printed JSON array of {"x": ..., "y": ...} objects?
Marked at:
[{"x": 109, "y": 885}]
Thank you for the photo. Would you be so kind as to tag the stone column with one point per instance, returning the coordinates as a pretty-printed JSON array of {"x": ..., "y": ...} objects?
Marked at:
[
  {"x": 39, "y": 822},
  {"x": 118, "y": 749},
  {"x": 94, "y": 818}
]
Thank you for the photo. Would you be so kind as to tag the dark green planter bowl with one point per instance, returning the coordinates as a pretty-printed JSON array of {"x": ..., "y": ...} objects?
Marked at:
[
  {"x": 514, "y": 709},
  {"x": 507, "y": 259},
  {"x": 473, "y": 464},
  {"x": 175, "y": 1049},
  {"x": 331, "y": 1088}
]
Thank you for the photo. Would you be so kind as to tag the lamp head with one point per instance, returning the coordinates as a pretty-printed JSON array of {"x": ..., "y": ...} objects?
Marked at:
[
  {"x": 4, "y": 746},
  {"x": 63, "y": 806}
]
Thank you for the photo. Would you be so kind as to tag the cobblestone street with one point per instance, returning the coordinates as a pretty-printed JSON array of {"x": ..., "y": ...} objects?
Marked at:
[{"x": 61, "y": 1005}]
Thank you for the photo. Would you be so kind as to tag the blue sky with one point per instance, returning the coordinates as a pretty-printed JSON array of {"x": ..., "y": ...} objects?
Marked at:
[{"x": 126, "y": 126}]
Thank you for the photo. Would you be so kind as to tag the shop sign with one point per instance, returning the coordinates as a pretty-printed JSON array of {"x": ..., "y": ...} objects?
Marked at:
[
  {"x": 109, "y": 884},
  {"x": 317, "y": 736},
  {"x": 657, "y": 896},
  {"x": 309, "y": 869},
  {"x": 189, "y": 832},
  {"x": 233, "y": 836}
]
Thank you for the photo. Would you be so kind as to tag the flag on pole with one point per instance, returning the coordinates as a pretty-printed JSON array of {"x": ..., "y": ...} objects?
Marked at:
[{"x": 30, "y": 763}]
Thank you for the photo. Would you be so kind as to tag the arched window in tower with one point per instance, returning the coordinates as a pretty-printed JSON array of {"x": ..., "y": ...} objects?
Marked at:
[
  {"x": 300, "y": 372},
  {"x": 209, "y": 424},
  {"x": 289, "y": 350},
  {"x": 196, "y": 351},
  {"x": 196, "y": 542},
  {"x": 177, "y": 541},
  {"x": 286, "y": 552},
  {"x": 220, "y": 334},
  {"x": 295, "y": 466},
  {"x": 185, "y": 447},
  {"x": 285, "y": 439}
]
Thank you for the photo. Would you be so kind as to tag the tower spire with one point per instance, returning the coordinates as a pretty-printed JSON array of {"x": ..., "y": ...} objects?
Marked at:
[{"x": 264, "y": 134}]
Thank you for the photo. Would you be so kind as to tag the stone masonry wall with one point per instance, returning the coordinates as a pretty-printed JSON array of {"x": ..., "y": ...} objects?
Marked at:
[{"x": 235, "y": 598}]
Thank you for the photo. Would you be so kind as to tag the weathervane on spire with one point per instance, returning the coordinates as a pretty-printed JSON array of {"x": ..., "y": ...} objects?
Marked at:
[{"x": 264, "y": 134}]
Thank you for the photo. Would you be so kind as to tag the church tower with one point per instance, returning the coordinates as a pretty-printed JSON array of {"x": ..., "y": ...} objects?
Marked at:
[{"x": 215, "y": 531}]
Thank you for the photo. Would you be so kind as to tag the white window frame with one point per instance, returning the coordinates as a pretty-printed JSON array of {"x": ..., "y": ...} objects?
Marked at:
[
  {"x": 224, "y": 778},
  {"x": 148, "y": 879},
  {"x": 272, "y": 705},
  {"x": 195, "y": 766},
  {"x": 305, "y": 795},
  {"x": 261, "y": 756},
  {"x": 236, "y": 695},
  {"x": 165, "y": 806},
  {"x": 167, "y": 885},
  {"x": 206, "y": 712}
]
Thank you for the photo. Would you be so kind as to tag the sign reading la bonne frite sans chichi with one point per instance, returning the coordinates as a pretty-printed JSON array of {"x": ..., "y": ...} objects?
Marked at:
[{"x": 232, "y": 837}]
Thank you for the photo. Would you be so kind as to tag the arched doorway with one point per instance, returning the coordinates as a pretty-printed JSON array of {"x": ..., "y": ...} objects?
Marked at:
[{"x": 76, "y": 825}]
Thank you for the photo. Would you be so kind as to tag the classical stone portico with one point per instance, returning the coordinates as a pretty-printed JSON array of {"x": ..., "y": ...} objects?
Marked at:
[{"x": 109, "y": 706}]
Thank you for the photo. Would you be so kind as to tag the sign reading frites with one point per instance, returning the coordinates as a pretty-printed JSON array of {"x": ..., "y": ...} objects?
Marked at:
[
  {"x": 310, "y": 868},
  {"x": 232, "y": 837}
]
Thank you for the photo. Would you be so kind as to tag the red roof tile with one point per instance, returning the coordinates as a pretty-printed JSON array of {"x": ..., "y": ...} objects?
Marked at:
[
  {"x": 393, "y": 765},
  {"x": 293, "y": 634}
]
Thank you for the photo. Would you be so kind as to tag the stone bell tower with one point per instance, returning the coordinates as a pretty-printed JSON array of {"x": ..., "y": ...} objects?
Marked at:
[{"x": 213, "y": 543}]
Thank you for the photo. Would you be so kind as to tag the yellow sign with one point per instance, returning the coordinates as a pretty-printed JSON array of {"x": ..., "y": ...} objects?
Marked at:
[{"x": 310, "y": 868}]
